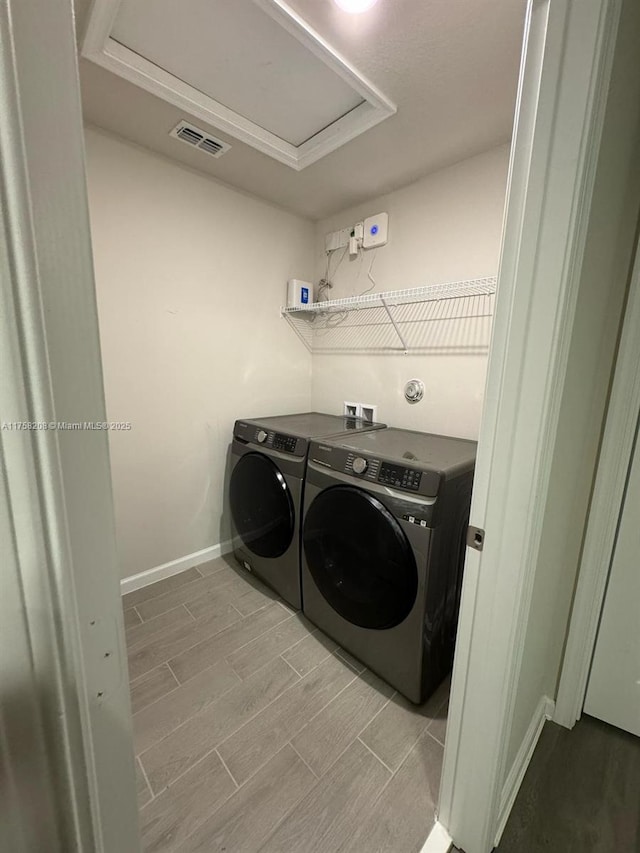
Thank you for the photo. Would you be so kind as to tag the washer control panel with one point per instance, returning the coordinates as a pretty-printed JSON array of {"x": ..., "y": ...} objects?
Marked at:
[
  {"x": 383, "y": 472},
  {"x": 366, "y": 468},
  {"x": 360, "y": 465},
  {"x": 268, "y": 439},
  {"x": 286, "y": 443},
  {"x": 399, "y": 477}
]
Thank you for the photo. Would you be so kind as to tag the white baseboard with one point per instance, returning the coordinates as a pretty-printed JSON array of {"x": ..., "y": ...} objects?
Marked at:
[
  {"x": 510, "y": 789},
  {"x": 439, "y": 840},
  {"x": 166, "y": 570}
]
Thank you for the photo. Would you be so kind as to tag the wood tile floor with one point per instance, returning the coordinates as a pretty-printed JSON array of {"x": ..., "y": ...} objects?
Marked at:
[{"x": 254, "y": 732}]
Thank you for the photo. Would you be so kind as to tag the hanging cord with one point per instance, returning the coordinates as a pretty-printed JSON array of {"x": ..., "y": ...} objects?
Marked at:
[
  {"x": 325, "y": 284},
  {"x": 336, "y": 319},
  {"x": 323, "y": 287},
  {"x": 333, "y": 320},
  {"x": 370, "y": 277},
  {"x": 338, "y": 265}
]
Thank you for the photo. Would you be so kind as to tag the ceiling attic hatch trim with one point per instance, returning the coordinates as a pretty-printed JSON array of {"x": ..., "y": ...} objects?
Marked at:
[{"x": 101, "y": 48}]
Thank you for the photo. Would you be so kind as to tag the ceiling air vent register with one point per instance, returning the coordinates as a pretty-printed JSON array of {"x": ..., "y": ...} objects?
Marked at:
[
  {"x": 254, "y": 70},
  {"x": 197, "y": 138}
]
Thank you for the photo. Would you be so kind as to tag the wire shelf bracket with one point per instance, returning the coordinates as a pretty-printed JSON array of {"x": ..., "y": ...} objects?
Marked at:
[{"x": 395, "y": 325}]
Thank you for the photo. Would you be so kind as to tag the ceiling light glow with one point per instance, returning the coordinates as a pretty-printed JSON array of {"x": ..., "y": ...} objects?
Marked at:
[{"x": 355, "y": 6}]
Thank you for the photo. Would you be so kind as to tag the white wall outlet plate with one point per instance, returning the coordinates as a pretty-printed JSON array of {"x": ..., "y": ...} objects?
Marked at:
[
  {"x": 336, "y": 239},
  {"x": 369, "y": 412},
  {"x": 351, "y": 410},
  {"x": 376, "y": 231}
]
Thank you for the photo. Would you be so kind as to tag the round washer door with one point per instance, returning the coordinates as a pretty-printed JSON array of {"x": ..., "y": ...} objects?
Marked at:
[
  {"x": 261, "y": 505},
  {"x": 360, "y": 558}
]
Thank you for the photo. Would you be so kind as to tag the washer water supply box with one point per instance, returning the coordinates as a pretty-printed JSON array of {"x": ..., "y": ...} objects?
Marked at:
[{"x": 299, "y": 293}]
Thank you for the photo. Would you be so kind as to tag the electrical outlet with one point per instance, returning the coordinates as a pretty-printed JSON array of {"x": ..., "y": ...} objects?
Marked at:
[
  {"x": 337, "y": 239},
  {"x": 351, "y": 410},
  {"x": 368, "y": 412}
]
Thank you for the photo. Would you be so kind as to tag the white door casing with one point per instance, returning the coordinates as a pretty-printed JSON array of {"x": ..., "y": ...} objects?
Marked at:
[
  {"x": 34, "y": 747},
  {"x": 70, "y": 775},
  {"x": 562, "y": 95}
]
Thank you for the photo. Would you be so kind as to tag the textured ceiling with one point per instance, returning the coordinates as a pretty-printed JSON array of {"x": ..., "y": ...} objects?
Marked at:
[{"x": 451, "y": 67}]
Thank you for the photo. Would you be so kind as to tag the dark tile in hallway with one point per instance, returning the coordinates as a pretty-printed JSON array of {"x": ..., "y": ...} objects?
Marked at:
[{"x": 581, "y": 793}]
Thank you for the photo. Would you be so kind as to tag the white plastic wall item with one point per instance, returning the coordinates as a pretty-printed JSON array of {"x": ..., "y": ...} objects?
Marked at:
[
  {"x": 299, "y": 293},
  {"x": 337, "y": 239},
  {"x": 376, "y": 231},
  {"x": 369, "y": 412},
  {"x": 351, "y": 410}
]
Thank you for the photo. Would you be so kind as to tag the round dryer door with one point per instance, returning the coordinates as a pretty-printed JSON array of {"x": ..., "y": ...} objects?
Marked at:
[
  {"x": 261, "y": 505},
  {"x": 360, "y": 558}
]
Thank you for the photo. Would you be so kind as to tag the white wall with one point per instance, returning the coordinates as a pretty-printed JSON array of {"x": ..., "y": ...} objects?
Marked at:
[
  {"x": 444, "y": 227},
  {"x": 190, "y": 275}
]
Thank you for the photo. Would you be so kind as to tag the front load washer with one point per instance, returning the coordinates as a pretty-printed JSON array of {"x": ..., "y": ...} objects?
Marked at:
[
  {"x": 383, "y": 539},
  {"x": 268, "y": 461}
]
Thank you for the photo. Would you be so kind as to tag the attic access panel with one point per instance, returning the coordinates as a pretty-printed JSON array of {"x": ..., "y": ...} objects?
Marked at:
[{"x": 252, "y": 68}]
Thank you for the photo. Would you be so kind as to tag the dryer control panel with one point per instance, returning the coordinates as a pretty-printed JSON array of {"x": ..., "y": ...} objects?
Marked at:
[
  {"x": 269, "y": 439},
  {"x": 286, "y": 443},
  {"x": 365, "y": 468},
  {"x": 386, "y": 473},
  {"x": 399, "y": 476}
]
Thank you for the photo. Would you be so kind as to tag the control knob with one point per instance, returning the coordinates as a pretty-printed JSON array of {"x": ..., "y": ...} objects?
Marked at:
[
  {"x": 261, "y": 436},
  {"x": 360, "y": 465}
]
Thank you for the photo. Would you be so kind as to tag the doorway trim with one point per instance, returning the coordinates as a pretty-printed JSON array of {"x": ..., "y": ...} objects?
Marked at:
[
  {"x": 65, "y": 667},
  {"x": 606, "y": 506},
  {"x": 567, "y": 62}
]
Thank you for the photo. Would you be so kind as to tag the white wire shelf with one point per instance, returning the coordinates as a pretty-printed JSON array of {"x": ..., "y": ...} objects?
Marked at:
[
  {"x": 451, "y": 317},
  {"x": 428, "y": 293}
]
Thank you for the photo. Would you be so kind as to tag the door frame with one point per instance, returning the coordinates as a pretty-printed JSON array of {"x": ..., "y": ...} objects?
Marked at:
[
  {"x": 71, "y": 777},
  {"x": 565, "y": 73},
  {"x": 606, "y": 506}
]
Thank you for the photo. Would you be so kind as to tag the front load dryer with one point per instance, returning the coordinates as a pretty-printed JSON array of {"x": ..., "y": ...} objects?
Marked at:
[
  {"x": 384, "y": 532},
  {"x": 268, "y": 461}
]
